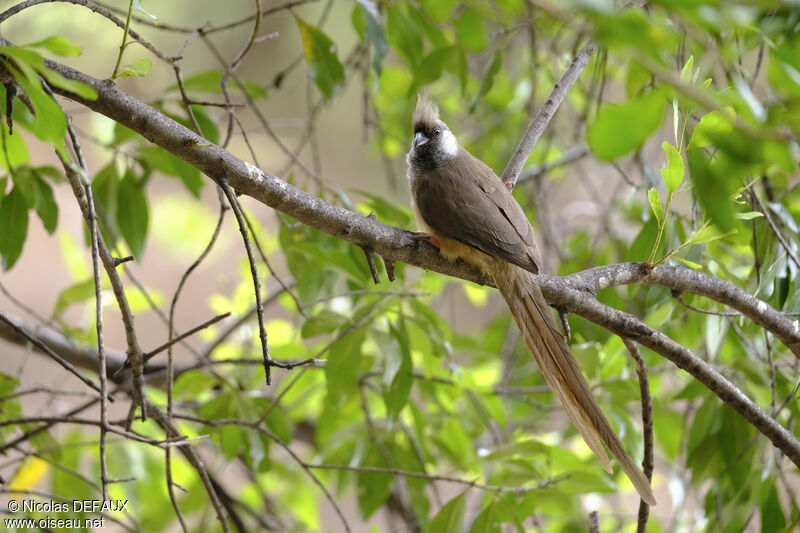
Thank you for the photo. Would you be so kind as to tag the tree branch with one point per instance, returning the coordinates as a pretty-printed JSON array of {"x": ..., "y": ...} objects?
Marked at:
[
  {"x": 57, "y": 342},
  {"x": 545, "y": 113},
  {"x": 69, "y": 367},
  {"x": 694, "y": 282}
]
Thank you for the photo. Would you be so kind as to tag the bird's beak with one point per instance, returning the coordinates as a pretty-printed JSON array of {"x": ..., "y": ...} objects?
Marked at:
[{"x": 419, "y": 139}]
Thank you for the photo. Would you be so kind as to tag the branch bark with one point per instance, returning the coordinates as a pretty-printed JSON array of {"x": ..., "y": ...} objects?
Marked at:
[
  {"x": 83, "y": 358},
  {"x": 694, "y": 282}
]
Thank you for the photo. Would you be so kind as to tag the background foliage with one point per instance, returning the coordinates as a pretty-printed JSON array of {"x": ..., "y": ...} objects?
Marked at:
[{"x": 678, "y": 144}]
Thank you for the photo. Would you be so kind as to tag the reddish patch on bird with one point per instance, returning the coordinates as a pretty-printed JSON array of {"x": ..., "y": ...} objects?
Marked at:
[{"x": 422, "y": 236}]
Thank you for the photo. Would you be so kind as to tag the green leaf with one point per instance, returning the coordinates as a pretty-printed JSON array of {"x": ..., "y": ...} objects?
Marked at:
[
  {"x": 655, "y": 202},
  {"x": 431, "y": 67},
  {"x": 471, "y": 31},
  {"x": 23, "y": 180},
  {"x": 397, "y": 377},
  {"x": 78, "y": 88},
  {"x": 58, "y": 45},
  {"x": 713, "y": 190},
  {"x": 673, "y": 174},
  {"x": 45, "y": 204},
  {"x": 772, "y": 518},
  {"x": 711, "y": 126},
  {"x": 488, "y": 79},
  {"x": 488, "y": 520},
  {"x": 78, "y": 293},
  {"x": 167, "y": 163},
  {"x": 30, "y": 63},
  {"x": 439, "y": 10},
  {"x": 73, "y": 256},
  {"x": 686, "y": 71},
  {"x": 690, "y": 264},
  {"x": 13, "y": 227},
  {"x": 620, "y": 128},
  {"x": 139, "y": 69},
  {"x": 373, "y": 30},
  {"x": 208, "y": 128},
  {"x": 750, "y": 215},
  {"x": 344, "y": 367},
  {"x": 132, "y": 212},
  {"x": 105, "y": 186},
  {"x": 707, "y": 234},
  {"x": 210, "y": 81},
  {"x": 13, "y": 145},
  {"x": 584, "y": 482},
  {"x": 51, "y": 173},
  {"x": 373, "y": 490},
  {"x": 512, "y": 7},
  {"x": 326, "y": 321},
  {"x": 450, "y": 519},
  {"x": 49, "y": 123},
  {"x": 326, "y": 70},
  {"x": 404, "y": 34},
  {"x": 454, "y": 441},
  {"x": 640, "y": 248}
]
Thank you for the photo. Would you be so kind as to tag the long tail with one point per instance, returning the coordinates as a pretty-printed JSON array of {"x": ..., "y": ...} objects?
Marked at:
[{"x": 561, "y": 371}]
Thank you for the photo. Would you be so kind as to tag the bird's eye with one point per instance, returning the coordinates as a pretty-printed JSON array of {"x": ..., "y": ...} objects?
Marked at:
[{"x": 436, "y": 132}]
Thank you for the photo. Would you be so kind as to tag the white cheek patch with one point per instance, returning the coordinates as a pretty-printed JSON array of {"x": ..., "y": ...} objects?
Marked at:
[{"x": 449, "y": 143}]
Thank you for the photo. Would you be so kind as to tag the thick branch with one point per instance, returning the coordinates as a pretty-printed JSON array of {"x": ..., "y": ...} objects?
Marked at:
[
  {"x": 82, "y": 358},
  {"x": 693, "y": 282}
]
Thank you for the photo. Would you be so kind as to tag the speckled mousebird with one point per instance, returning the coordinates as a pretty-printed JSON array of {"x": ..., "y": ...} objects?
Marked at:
[{"x": 472, "y": 215}]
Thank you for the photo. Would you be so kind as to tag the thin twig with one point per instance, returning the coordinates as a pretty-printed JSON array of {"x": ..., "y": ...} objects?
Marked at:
[
  {"x": 308, "y": 471},
  {"x": 193, "y": 458},
  {"x": 545, "y": 113},
  {"x": 239, "y": 322},
  {"x": 98, "y": 299},
  {"x": 360, "y": 292},
  {"x": 286, "y": 287},
  {"x": 679, "y": 297},
  {"x": 170, "y": 370},
  {"x": 373, "y": 270},
  {"x": 262, "y": 330},
  {"x": 436, "y": 477},
  {"x": 208, "y": 323},
  {"x": 135, "y": 355},
  {"x": 50, "y": 353},
  {"x": 124, "y": 39},
  {"x": 764, "y": 211},
  {"x": 647, "y": 427},
  {"x": 594, "y": 522},
  {"x": 534, "y": 171}
]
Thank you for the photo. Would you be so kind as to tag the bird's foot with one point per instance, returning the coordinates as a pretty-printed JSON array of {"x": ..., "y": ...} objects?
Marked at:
[{"x": 422, "y": 236}]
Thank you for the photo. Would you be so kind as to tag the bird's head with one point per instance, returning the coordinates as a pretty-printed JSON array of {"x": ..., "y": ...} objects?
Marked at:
[{"x": 434, "y": 143}]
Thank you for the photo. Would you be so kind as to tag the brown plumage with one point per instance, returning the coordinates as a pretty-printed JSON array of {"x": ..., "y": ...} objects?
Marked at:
[{"x": 469, "y": 211}]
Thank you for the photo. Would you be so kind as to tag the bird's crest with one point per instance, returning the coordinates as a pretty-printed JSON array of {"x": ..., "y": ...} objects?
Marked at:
[{"x": 427, "y": 112}]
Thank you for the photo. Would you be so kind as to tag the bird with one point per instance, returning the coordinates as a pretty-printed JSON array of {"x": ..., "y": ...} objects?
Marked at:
[{"x": 470, "y": 214}]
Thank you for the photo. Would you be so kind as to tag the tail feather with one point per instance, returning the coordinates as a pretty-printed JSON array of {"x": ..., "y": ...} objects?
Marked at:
[{"x": 561, "y": 371}]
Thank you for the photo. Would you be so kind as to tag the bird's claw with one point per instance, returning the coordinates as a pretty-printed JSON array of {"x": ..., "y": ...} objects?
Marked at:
[{"x": 422, "y": 236}]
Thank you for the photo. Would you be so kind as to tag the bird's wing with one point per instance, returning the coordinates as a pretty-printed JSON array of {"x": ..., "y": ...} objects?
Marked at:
[{"x": 477, "y": 210}]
